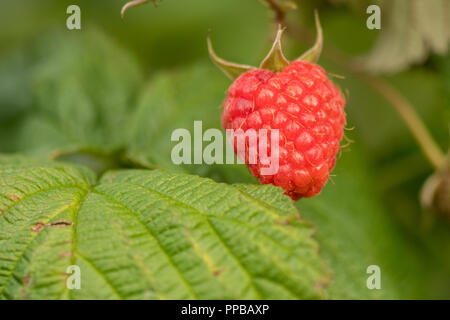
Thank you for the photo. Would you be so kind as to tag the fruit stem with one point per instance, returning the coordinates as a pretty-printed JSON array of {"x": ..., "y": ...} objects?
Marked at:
[{"x": 280, "y": 14}]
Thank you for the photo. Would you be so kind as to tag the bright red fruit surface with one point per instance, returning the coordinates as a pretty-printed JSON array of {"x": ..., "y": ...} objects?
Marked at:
[{"x": 308, "y": 110}]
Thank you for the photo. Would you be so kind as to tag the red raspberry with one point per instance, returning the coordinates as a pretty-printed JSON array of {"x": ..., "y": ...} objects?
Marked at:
[
  {"x": 307, "y": 109},
  {"x": 298, "y": 100}
]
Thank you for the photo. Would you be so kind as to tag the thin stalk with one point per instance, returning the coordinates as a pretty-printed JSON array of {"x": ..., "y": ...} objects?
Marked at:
[{"x": 412, "y": 120}]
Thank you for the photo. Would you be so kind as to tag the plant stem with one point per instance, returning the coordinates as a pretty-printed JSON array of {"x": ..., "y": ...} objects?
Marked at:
[
  {"x": 280, "y": 14},
  {"x": 412, "y": 120}
]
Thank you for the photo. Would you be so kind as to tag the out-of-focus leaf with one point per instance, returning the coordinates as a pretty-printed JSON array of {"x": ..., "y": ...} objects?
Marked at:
[
  {"x": 139, "y": 234},
  {"x": 410, "y": 31},
  {"x": 83, "y": 89},
  {"x": 355, "y": 231},
  {"x": 14, "y": 86},
  {"x": 15, "y": 96},
  {"x": 174, "y": 100},
  {"x": 90, "y": 105},
  {"x": 153, "y": 34}
]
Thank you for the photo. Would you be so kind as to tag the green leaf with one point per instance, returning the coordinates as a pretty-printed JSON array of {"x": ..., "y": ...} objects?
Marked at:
[
  {"x": 139, "y": 234},
  {"x": 355, "y": 230}
]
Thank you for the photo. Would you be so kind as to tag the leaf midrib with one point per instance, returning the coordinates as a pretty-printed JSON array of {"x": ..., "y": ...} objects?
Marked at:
[{"x": 150, "y": 233}]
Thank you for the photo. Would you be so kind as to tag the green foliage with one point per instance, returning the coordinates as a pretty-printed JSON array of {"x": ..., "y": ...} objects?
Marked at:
[{"x": 149, "y": 234}]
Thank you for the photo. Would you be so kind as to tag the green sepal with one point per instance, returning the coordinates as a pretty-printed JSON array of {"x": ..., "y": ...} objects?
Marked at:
[
  {"x": 313, "y": 54},
  {"x": 275, "y": 60},
  {"x": 232, "y": 70}
]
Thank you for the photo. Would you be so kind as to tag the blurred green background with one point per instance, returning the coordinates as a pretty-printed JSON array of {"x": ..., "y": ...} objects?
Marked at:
[{"x": 74, "y": 90}]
